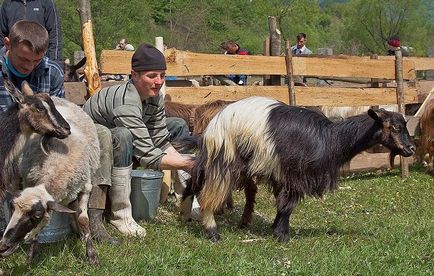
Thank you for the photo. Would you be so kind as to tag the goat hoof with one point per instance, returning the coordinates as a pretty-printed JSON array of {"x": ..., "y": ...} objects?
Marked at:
[
  {"x": 213, "y": 235},
  {"x": 243, "y": 225},
  {"x": 93, "y": 260},
  {"x": 282, "y": 237}
]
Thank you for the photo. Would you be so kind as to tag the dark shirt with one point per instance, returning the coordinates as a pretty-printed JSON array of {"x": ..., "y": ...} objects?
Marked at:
[{"x": 41, "y": 11}]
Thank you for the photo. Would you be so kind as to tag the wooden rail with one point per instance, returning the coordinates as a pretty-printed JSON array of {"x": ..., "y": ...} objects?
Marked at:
[{"x": 182, "y": 63}]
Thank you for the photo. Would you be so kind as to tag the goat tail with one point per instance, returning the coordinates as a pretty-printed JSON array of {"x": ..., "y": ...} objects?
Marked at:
[{"x": 187, "y": 144}]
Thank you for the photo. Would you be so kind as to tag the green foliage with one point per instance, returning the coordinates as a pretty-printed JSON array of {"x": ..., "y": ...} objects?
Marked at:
[
  {"x": 350, "y": 27},
  {"x": 375, "y": 224},
  {"x": 369, "y": 23}
]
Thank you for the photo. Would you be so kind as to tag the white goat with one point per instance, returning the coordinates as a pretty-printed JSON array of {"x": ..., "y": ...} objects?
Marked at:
[{"x": 56, "y": 173}]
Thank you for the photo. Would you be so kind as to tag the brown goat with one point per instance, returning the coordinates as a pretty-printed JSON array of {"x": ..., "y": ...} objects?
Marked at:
[
  {"x": 196, "y": 116},
  {"x": 427, "y": 135}
]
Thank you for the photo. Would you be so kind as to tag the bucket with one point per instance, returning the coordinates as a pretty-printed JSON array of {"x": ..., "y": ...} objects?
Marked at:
[
  {"x": 145, "y": 193},
  {"x": 57, "y": 229}
]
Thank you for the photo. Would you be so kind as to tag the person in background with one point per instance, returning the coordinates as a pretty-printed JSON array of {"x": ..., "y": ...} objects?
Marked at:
[
  {"x": 134, "y": 113},
  {"x": 232, "y": 48},
  {"x": 300, "y": 49},
  {"x": 124, "y": 45},
  {"x": 394, "y": 43},
  {"x": 41, "y": 11}
]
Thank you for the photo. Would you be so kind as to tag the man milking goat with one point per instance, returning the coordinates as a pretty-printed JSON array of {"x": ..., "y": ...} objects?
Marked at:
[{"x": 134, "y": 113}]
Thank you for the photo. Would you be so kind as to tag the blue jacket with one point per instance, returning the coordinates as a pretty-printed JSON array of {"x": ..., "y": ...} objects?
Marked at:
[{"x": 42, "y": 11}]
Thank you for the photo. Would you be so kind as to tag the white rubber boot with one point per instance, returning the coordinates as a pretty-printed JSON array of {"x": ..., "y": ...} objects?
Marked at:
[{"x": 120, "y": 203}]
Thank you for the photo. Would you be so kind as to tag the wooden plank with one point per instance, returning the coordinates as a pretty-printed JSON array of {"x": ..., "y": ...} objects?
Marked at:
[
  {"x": 307, "y": 96},
  {"x": 181, "y": 63},
  {"x": 420, "y": 63}
]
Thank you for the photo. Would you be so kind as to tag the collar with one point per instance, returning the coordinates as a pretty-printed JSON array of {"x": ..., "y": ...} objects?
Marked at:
[{"x": 302, "y": 49}]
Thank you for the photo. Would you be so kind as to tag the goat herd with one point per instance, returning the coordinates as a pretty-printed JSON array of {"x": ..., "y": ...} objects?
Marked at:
[{"x": 50, "y": 148}]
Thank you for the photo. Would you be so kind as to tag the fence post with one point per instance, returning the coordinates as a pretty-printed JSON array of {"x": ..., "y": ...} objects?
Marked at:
[
  {"x": 267, "y": 78},
  {"x": 400, "y": 100},
  {"x": 289, "y": 73},
  {"x": 274, "y": 45},
  {"x": 91, "y": 68}
]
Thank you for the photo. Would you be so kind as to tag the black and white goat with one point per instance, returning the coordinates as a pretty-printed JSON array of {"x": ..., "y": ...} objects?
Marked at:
[
  {"x": 55, "y": 172},
  {"x": 297, "y": 151}
]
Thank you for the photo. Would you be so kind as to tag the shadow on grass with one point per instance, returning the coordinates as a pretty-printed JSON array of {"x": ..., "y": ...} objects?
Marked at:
[{"x": 261, "y": 227}]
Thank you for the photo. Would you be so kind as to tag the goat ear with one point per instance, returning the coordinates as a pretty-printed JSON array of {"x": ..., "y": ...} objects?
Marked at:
[
  {"x": 80, "y": 64},
  {"x": 10, "y": 87},
  {"x": 27, "y": 90},
  {"x": 376, "y": 114},
  {"x": 54, "y": 206}
]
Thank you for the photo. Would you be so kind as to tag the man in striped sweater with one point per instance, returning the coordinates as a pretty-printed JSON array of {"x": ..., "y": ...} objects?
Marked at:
[{"x": 134, "y": 113}]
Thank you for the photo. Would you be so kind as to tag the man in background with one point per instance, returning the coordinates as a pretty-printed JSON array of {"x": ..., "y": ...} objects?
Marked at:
[{"x": 300, "y": 48}]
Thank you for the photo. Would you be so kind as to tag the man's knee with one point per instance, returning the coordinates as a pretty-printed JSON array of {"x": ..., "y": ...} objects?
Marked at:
[
  {"x": 122, "y": 146},
  {"x": 121, "y": 136},
  {"x": 177, "y": 127}
]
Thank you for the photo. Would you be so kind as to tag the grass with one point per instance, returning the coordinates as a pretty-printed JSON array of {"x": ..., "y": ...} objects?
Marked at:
[{"x": 375, "y": 224}]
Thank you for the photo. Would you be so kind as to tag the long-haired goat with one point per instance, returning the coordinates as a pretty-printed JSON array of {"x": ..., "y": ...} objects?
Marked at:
[
  {"x": 296, "y": 150},
  {"x": 56, "y": 173}
]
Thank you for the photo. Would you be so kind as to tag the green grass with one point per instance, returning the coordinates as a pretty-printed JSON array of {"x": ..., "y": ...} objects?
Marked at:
[{"x": 375, "y": 224}]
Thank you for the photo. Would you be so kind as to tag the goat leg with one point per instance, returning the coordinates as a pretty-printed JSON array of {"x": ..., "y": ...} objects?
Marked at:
[
  {"x": 208, "y": 222},
  {"x": 84, "y": 229},
  {"x": 250, "y": 191},
  {"x": 33, "y": 250},
  {"x": 285, "y": 204}
]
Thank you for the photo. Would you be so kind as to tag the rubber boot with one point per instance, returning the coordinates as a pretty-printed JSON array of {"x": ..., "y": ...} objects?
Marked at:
[
  {"x": 120, "y": 203},
  {"x": 97, "y": 229}
]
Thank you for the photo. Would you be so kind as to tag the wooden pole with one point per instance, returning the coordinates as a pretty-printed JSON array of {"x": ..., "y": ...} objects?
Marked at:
[
  {"x": 289, "y": 73},
  {"x": 400, "y": 100},
  {"x": 91, "y": 68},
  {"x": 274, "y": 44},
  {"x": 267, "y": 78}
]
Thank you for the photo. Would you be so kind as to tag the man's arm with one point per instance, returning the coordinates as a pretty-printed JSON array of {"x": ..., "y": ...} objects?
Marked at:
[
  {"x": 52, "y": 24},
  {"x": 3, "y": 24},
  {"x": 56, "y": 80},
  {"x": 173, "y": 160}
]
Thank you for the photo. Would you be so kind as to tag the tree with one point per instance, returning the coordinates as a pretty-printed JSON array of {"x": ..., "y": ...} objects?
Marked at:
[{"x": 369, "y": 23}]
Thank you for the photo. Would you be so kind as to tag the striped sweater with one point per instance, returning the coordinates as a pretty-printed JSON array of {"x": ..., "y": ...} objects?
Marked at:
[{"x": 120, "y": 106}]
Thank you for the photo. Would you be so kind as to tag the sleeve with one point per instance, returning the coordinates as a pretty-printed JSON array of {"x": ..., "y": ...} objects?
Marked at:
[
  {"x": 52, "y": 24},
  {"x": 3, "y": 23},
  {"x": 56, "y": 84},
  {"x": 130, "y": 117}
]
